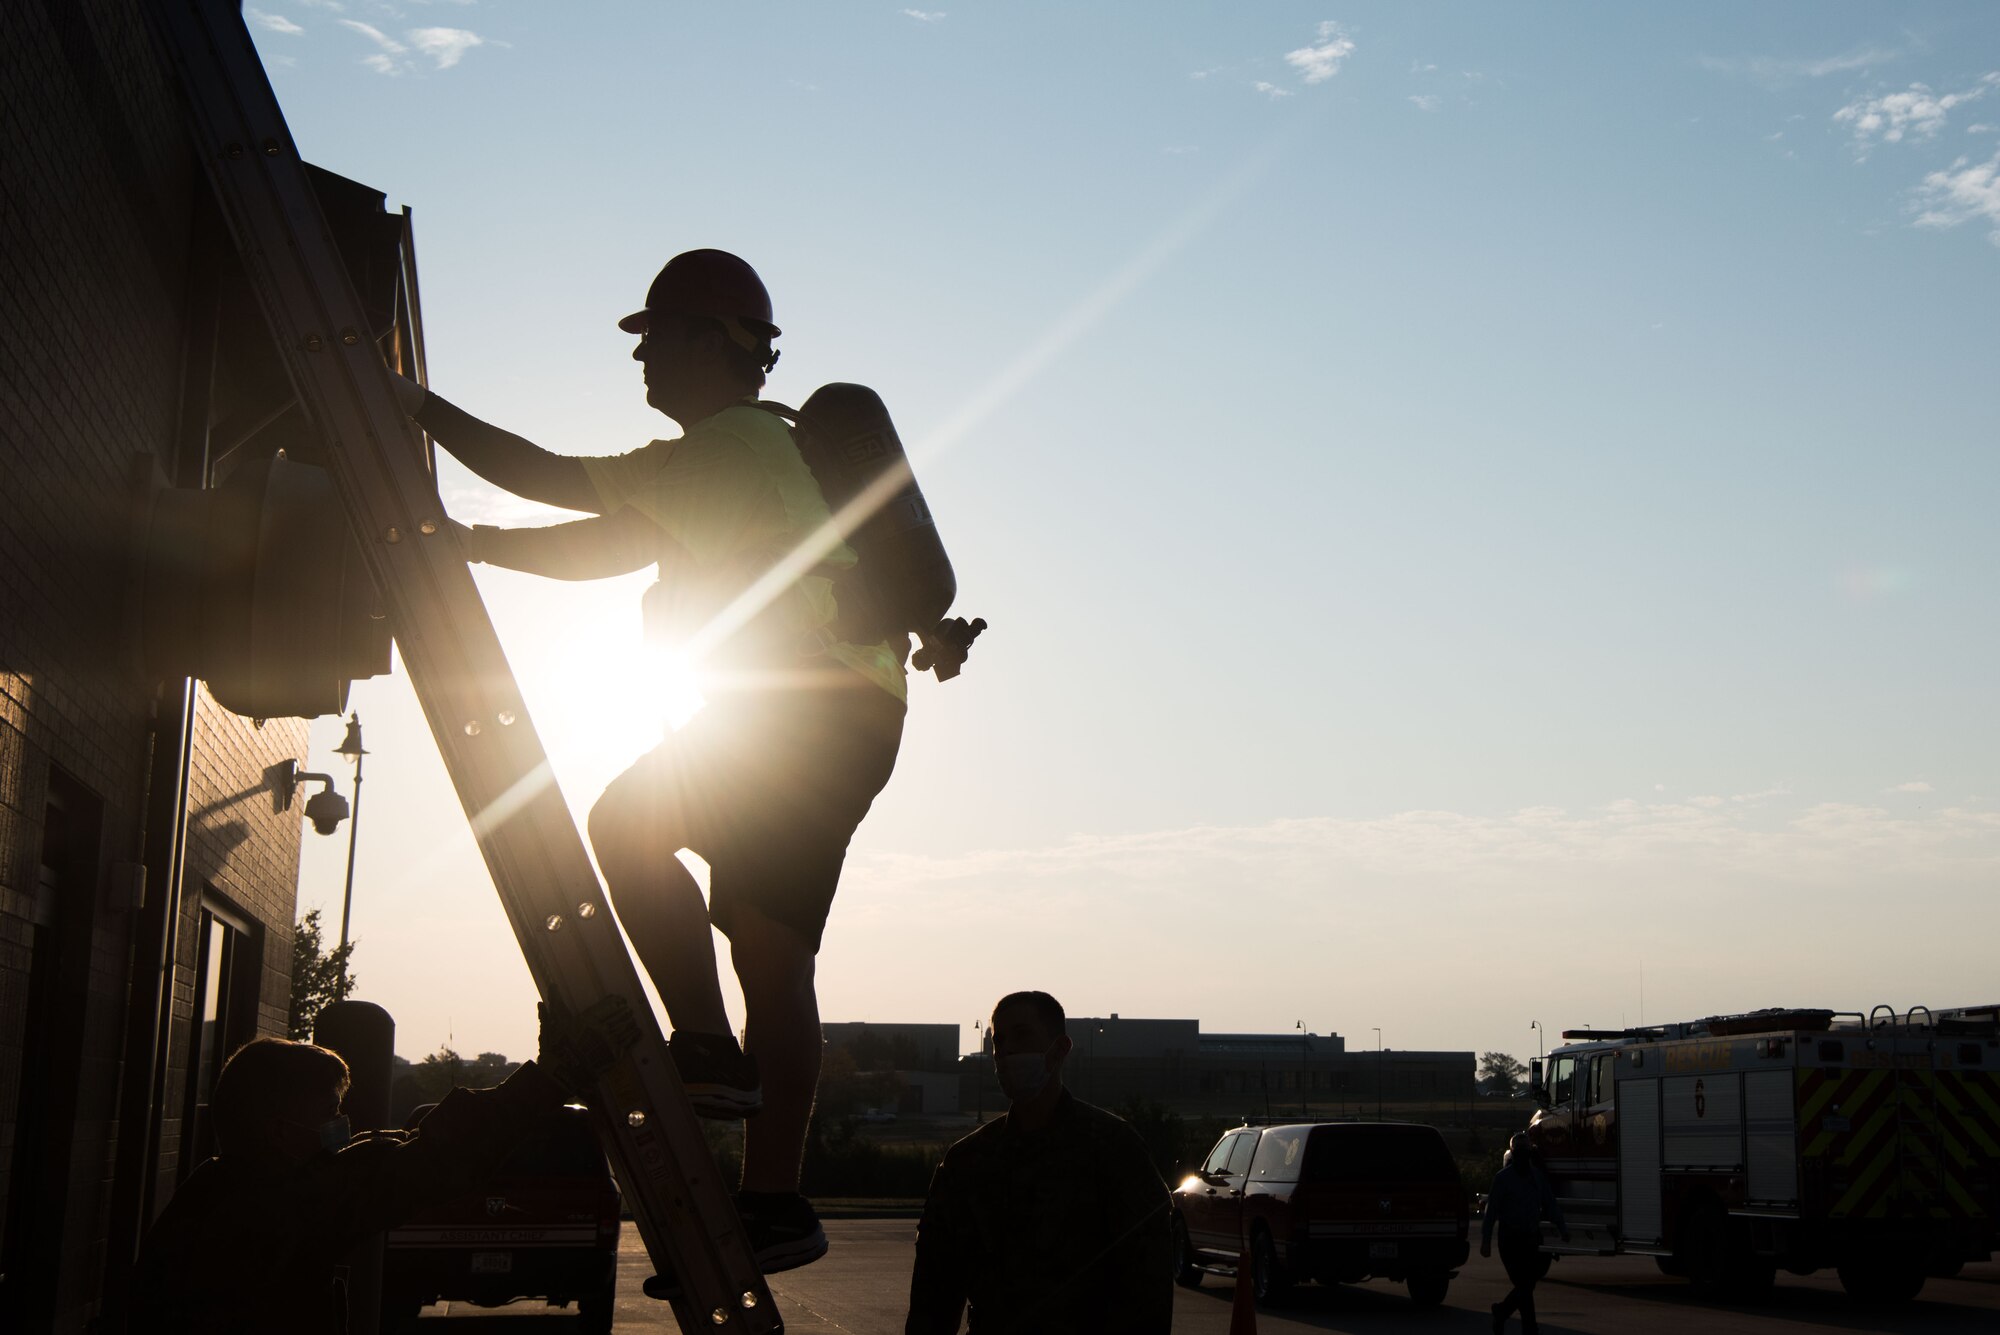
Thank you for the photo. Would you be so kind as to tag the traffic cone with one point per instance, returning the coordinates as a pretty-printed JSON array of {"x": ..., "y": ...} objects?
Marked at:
[{"x": 1243, "y": 1312}]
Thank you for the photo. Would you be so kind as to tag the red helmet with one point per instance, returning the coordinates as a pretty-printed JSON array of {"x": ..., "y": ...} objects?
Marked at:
[{"x": 711, "y": 283}]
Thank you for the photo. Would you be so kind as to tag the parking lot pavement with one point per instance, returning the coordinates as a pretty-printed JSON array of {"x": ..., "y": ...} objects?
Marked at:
[{"x": 860, "y": 1288}]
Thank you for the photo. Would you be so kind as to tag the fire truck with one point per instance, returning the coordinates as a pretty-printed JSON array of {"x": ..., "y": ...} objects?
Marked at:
[{"x": 1736, "y": 1146}]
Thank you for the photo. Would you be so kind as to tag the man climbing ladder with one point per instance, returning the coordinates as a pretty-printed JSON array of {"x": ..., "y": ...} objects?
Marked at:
[
  {"x": 553, "y": 899},
  {"x": 802, "y": 725}
]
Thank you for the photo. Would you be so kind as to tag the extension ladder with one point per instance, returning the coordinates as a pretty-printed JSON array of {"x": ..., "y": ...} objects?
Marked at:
[{"x": 551, "y": 894}]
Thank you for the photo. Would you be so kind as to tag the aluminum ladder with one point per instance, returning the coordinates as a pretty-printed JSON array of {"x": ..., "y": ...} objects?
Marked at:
[{"x": 551, "y": 893}]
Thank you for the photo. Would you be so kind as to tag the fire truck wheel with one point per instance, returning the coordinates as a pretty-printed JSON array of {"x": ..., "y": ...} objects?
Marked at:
[
  {"x": 1268, "y": 1281},
  {"x": 1882, "y": 1281}
]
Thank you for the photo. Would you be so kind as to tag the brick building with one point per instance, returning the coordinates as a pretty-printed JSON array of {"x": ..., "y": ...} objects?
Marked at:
[
  {"x": 149, "y": 840},
  {"x": 1113, "y": 1059}
]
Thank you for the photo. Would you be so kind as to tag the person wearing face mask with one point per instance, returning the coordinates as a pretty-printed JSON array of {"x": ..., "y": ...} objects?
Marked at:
[
  {"x": 1049, "y": 1219},
  {"x": 254, "y": 1240}
]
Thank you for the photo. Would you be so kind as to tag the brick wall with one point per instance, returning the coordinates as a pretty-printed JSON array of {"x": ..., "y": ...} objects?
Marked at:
[{"x": 96, "y": 195}]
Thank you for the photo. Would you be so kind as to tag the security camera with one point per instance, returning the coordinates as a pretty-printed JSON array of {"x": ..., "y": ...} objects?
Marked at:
[{"x": 326, "y": 809}]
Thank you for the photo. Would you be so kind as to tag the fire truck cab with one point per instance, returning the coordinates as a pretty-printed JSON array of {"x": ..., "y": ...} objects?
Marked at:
[{"x": 1732, "y": 1147}]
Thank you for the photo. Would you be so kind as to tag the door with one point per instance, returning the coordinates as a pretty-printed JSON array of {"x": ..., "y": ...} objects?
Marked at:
[
  {"x": 1590, "y": 1193},
  {"x": 1214, "y": 1209},
  {"x": 1229, "y": 1200},
  {"x": 1201, "y": 1204}
]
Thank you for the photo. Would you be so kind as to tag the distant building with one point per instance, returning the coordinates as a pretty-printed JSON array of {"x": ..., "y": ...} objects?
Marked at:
[{"x": 1114, "y": 1059}]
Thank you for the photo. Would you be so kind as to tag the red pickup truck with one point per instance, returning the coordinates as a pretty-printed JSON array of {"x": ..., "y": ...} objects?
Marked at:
[{"x": 1336, "y": 1202}]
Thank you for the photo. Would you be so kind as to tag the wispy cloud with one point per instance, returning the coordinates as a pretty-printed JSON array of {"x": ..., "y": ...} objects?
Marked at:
[
  {"x": 1743, "y": 831},
  {"x": 446, "y": 46},
  {"x": 1427, "y": 101},
  {"x": 1964, "y": 192},
  {"x": 924, "y": 15},
  {"x": 1462, "y": 893},
  {"x": 1913, "y": 786},
  {"x": 1271, "y": 90},
  {"x": 1915, "y": 113},
  {"x": 389, "y": 45},
  {"x": 271, "y": 22},
  {"x": 1774, "y": 71},
  {"x": 1321, "y": 60},
  {"x": 1384, "y": 884}
]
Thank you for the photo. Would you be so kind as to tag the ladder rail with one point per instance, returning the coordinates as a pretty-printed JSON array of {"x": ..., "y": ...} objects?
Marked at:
[{"x": 548, "y": 888}]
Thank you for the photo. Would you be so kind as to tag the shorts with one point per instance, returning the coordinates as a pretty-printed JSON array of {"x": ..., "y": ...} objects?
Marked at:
[{"x": 768, "y": 787}]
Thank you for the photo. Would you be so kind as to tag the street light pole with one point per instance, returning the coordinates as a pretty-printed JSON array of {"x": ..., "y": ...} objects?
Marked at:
[
  {"x": 1304, "y": 1052},
  {"x": 350, "y": 746},
  {"x": 1378, "y": 1071}
]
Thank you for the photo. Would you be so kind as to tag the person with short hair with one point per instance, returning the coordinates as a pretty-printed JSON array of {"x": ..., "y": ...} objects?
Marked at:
[
  {"x": 1047, "y": 1220},
  {"x": 801, "y": 727},
  {"x": 253, "y": 1240},
  {"x": 1517, "y": 1200}
]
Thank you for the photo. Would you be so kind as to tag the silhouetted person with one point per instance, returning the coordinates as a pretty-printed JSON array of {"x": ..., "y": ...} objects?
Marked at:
[
  {"x": 801, "y": 728},
  {"x": 1048, "y": 1220},
  {"x": 1518, "y": 1199},
  {"x": 252, "y": 1240}
]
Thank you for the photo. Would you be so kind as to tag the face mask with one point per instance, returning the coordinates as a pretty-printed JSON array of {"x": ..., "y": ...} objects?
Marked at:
[
  {"x": 334, "y": 1135},
  {"x": 1022, "y": 1074}
]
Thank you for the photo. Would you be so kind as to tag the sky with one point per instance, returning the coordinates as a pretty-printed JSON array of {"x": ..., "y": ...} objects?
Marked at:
[{"x": 1484, "y": 513}]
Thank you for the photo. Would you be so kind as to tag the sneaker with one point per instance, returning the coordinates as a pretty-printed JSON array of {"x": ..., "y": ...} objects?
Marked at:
[
  {"x": 784, "y": 1229},
  {"x": 720, "y": 1078}
]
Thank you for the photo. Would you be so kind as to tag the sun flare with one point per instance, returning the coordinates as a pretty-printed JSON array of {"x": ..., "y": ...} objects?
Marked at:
[{"x": 602, "y": 697}]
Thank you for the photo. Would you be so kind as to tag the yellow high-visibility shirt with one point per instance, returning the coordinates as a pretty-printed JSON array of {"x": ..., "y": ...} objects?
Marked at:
[{"x": 733, "y": 497}]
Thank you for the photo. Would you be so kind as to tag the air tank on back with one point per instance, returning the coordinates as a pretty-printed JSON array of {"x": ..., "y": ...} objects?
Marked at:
[{"x": 847, "y": 440}]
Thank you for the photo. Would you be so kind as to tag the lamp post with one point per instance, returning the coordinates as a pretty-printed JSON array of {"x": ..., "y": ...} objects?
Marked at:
[
  {"x": 1304, "y": 1051},
  {"x": 979, "y": 1076},
  {"x": 1378, "y": 1071},
  {"x": 350, "y": 746}
]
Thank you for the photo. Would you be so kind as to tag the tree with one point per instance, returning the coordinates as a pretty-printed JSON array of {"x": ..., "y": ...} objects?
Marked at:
[
  {"x": 1500, "y": 1074},
  {"x": 1163, "y": 1133},
  {"x": 319, "y": 975},
  {"x": 429, "y": 1080}
]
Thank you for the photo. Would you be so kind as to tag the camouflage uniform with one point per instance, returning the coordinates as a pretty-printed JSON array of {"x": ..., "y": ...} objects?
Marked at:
[
  {"x": 1047, "y": 1232},
  {"x": 250, "y": 1245}
]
